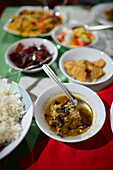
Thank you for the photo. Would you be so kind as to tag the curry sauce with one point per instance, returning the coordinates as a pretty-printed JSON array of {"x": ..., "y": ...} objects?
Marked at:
[{"x": 66, "y": 119}]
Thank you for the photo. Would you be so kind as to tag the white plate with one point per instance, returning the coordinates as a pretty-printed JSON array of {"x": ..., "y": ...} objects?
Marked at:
[
  {"x": 83, "y": 92},
  {"x": 26, "y": 121},
  {"x": 29, "y": 42},
  {"x": 90, "y": 54},
  {"x": 59, "y": 29},
  {"x": 33, "y": 8},
  {"x": 111, "y": 116},
  {"x": 96, "y": 12}
]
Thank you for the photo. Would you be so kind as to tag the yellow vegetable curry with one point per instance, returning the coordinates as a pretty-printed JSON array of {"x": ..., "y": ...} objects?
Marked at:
[{"x": 33, "y": 22}]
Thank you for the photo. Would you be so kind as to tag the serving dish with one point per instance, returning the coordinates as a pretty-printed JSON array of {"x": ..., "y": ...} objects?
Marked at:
[
  {"x": 97, "y": 12},
  {"x": 32, "y": 24},
  {"x": 26, "y": 120},
  {"x": 77, "y": 90},
  {"x": 29, "y": 42},
  {"x": 67, "y": 29},
  {"x": 111, "y": 116},
  {"x": 90, "y": 54}
]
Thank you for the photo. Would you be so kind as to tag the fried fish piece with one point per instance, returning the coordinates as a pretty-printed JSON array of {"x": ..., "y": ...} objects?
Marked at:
[
  {"x": 89, "y": 66},
  {"x": 99, "y": 63},
  {"x": 68, "y": 65},
  {"x": 79, "y": 70},
  {"x": 80, "y": 62},
  {"x": 94, "y": 71}
]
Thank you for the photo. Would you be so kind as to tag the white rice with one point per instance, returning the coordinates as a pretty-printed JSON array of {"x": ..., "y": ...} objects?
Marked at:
[{"x": 11, "y": 111}]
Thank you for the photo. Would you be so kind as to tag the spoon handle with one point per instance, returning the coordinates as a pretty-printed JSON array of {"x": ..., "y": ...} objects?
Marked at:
[
  {"x": 98, "y": 27},
  {"x": 46, "y": 7},
  {"x": 52, "y": 75},
  {"x": 28, "y": 68}
]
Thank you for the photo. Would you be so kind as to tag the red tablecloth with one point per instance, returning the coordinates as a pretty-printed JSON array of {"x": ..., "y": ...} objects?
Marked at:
[{"x": 95, "y": 153}]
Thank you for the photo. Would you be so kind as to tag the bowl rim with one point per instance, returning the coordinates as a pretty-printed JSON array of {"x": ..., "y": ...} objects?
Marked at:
[
  {"x": 71, "y": 140},
  {"x": 44, "y": 41}
]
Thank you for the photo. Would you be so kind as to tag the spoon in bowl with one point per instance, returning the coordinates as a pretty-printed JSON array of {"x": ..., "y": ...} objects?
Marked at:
[
  {"x": 28, "y": 68},
  {"x": 46, "y": 7},
  {"x": 56, "y": 10},
  {"x": 95, "y": 28},
  {"x": 72, "y": 99}
]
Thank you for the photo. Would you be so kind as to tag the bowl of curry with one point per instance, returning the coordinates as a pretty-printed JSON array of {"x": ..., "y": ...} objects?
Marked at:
[{"x": 59, "y": 119}]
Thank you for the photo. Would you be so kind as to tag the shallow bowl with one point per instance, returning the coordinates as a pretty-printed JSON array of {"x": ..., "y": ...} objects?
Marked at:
[
  {"x": 90, "y": 54},
  {"x": 84, "y": 93},
  {"x": 29, "y": 42},
  {"x": 60, "y": 28}
]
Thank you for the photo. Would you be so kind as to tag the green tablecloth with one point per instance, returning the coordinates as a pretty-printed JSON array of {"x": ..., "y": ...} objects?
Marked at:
[{"x": 34, "y": 135}]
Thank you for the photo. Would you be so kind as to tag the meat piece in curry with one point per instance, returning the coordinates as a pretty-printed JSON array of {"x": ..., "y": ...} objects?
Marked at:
[{"x": 66, "y": 119}]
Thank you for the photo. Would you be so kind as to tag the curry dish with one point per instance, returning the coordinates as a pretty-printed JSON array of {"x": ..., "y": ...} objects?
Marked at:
[
  {"x": 66, "y": 119},
  {"x": 109, "y": 14},
  {"x": 33, "y": 22}
]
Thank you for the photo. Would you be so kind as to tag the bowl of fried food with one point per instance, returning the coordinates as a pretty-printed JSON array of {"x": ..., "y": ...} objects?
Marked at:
[
  {"x": 86, "y": 66},
  {"x": 73, "y": 36},
  {"x": 64, "y": 121}
]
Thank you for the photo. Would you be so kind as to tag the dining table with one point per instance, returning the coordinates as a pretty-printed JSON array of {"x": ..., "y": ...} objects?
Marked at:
[{"x": 36, "y": 83}]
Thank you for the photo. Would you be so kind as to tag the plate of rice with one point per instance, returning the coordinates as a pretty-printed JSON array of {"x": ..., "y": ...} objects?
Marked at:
[{"x": 16, "y": 112}]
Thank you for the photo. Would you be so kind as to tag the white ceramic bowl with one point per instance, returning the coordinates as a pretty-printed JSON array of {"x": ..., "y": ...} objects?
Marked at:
[
  {"x": 97, "y": 12},
  {"x": 90, "y": 54},
  {"x": 60, "y": 28},
  {"x": 29, "y": 42},
  {"x": 83, "y": 92},
  {"x": 26, "y": 120}
]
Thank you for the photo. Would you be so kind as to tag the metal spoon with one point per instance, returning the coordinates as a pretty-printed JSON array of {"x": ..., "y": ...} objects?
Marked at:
[
  {"x": 56, "y": 10},
  {"x": 27, "y": 68},
  {"x": 74, "y": 101},
  {"x": 95, "y": 28},
  {"x": 46, "y": 7}
]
